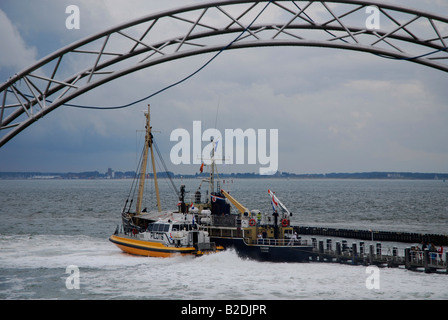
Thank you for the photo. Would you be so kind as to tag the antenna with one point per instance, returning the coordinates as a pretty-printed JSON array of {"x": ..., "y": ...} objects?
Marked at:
[{"x": 217, "y": 109}]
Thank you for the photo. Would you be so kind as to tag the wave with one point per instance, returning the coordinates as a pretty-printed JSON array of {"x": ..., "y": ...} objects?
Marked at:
[{"x": 34, "y": 266}]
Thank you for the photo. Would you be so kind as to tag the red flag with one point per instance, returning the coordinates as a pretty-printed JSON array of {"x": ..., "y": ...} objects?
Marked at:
[{"x": 202, "y": 167}]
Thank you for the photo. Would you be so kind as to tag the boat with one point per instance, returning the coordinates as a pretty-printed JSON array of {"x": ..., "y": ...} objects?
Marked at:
[
  {"x": 171, "y": 233},
  {"x": 250, "y": 233},
  {"x": 258, "y": 236},
  {"x": 166, "y": 238}
]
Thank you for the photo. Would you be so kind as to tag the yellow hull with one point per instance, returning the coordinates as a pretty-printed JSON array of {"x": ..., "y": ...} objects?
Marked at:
[{"x": 151, "y": 249}]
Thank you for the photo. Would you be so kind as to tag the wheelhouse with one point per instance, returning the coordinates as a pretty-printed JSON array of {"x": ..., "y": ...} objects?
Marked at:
[{"x": 170, "y": 226}]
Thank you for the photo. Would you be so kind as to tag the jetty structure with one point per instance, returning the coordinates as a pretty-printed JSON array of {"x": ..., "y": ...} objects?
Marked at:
[
  {"x": 330, "y": 245},
  {"x": 374, "y": 235},
  {"x": 413, "y": 258}
]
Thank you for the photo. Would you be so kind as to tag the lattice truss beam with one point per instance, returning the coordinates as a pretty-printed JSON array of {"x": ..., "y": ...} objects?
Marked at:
[{"x": 403, "y": 34}]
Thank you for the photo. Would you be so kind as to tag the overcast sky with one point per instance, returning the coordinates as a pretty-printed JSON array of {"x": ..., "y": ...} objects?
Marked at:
[{"x": 335, "y": 110}]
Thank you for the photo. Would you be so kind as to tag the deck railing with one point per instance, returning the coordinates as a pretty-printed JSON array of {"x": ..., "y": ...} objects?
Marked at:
[
  {"x": 433, "y": 258},
  {"x": 278, "y": 242}
]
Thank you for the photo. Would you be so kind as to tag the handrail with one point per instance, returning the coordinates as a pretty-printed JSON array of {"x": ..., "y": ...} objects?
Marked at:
[
  {"x": 277, "y": 242},
  {"x": 435, "y": 257}
]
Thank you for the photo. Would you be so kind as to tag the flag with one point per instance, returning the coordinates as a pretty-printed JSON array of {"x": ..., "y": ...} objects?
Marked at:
[
  {"x": 273, "y": 207},
  {"x": 273, "y": 202},
  {"x": 202, "y": 167}
]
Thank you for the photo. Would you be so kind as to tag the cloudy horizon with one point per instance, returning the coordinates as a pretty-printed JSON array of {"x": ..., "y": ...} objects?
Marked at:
[{"x": 335, "y": 110}]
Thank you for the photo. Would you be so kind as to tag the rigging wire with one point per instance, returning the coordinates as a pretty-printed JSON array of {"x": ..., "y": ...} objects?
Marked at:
[
  {"x": 134, "y": 184},
  {"x": 172, "y": 185}
]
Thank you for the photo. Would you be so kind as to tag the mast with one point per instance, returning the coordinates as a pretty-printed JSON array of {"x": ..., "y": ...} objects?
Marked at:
[
  {"x": 159, "y": 207},
  {"x": 148, "y": 145},
  {"x": 212, "y": 168}
]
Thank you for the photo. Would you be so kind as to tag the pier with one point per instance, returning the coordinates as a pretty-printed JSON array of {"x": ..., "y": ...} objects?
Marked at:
[
  {"x": 372, "y": 235},
  {"x": 358, "y": 254}
]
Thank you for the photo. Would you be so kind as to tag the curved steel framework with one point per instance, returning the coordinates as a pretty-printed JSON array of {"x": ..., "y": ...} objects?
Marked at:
[{"x": 403, "y": 34}]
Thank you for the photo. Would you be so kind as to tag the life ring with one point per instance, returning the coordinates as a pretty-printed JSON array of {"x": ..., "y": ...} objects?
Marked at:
[
  {"x": 285, "y": 222},
  {"x": 252, "y": 222}
]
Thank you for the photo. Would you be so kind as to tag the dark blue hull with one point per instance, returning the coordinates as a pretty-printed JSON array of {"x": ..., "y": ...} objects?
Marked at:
[{"x": 274, "y": 253}]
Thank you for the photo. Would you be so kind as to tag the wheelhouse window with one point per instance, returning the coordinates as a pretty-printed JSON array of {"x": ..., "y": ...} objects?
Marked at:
[{"x": 158, "y": 227}]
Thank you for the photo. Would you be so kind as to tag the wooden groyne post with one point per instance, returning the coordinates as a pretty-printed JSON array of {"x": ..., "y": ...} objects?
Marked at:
[
  {"x": 412, "y": 260},
  {"x": 371, "y": 235}
]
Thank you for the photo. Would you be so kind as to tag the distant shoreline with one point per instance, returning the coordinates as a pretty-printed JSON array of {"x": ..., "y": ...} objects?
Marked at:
[{"x": 116, "y": 175}]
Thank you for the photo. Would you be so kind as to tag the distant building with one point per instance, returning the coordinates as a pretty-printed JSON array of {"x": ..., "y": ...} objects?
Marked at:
[
  {"x": 394, "y": 175},
  {"x": 110, "y": 174}
]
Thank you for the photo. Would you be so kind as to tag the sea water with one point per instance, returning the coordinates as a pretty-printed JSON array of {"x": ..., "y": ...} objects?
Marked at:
[{"x": 50, "y": 226}]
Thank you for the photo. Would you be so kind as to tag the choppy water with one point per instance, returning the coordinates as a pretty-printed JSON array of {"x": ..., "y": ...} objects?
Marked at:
[{"x": 49, "y": 225}]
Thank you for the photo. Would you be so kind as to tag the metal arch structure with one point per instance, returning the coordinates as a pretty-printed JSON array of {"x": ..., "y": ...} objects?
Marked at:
[{"x": 403, "y": 34}]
